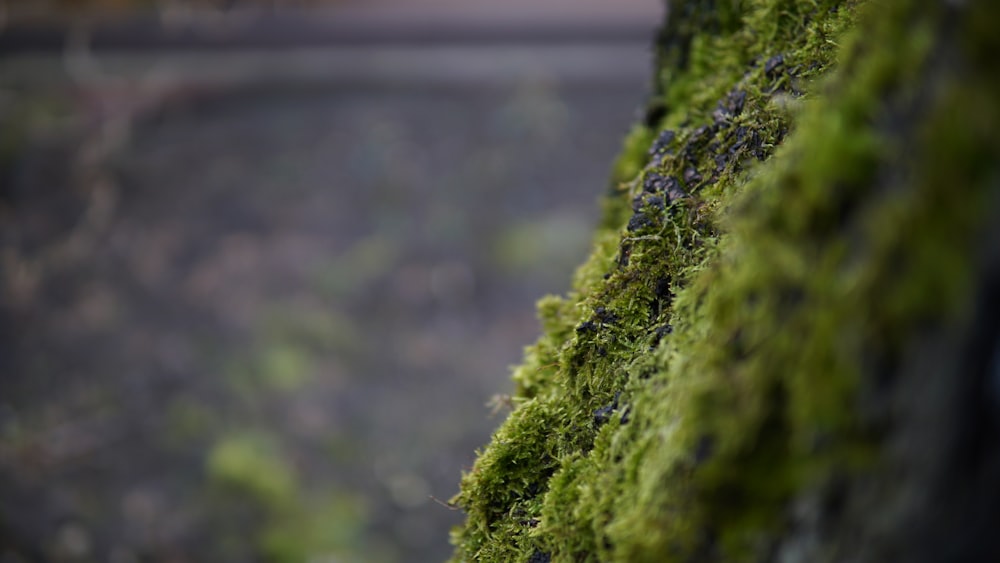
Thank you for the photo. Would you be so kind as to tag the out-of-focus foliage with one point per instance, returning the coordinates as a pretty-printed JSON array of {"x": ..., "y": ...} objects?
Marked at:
[{"x": 297, "y": 525}]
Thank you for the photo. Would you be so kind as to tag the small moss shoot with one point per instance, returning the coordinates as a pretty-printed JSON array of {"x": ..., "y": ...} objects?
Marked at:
[{"x": 806, "y": 193}]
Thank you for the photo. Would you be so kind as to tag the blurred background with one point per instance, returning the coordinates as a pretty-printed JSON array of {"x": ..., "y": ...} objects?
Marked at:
[{"x": 263, "y": 266}]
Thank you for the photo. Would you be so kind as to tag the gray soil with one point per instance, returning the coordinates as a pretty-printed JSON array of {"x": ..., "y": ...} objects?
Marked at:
[{"x": 276, "y": 304}]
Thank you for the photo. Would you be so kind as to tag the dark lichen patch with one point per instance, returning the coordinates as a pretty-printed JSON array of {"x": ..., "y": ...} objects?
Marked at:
[
  {"x": 624, "y": 255},
  {"x": 640, "y": 221},
  {"x": 603, "y": 414},
  {"x": 647, "y": 200},
  {"x": 774, "y": 66},
  {"x": 662, "y": 143},
  {"x": 692, "y": 178},
  {"x": 696, "y": 142},
  {"x": 663, "y": 290},
  {"x": 703, "y": 451},
  {"x": 604, "y": 316},
  {"x": 625, "y": 418},
  {"x": 773, "y": 279},
  {"x": 729, "y": 107},
  {"x": 658, "y": 334},
  {"x": 601, "y": 317}
]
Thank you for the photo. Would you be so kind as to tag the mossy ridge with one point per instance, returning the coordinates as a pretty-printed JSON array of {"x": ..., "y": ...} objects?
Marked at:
[
  {"x": 700, "y": 441},
  {"x": 604, "y": 326}
]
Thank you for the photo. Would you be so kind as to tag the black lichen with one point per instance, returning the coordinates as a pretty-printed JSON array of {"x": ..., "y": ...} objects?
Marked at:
[
  {"x": 639, "y": 221},
  {"x": 662, "y": 142},
  {"x": 603, "y": 414},
  {"x": 774, "y": 65}
]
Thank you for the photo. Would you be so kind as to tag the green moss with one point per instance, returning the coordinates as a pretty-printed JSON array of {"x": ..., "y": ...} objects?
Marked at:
[
  {"x": 633, "y": 156},
  {"x": 325, "y": 528},
  {"x": 706, "y": 369},
  {"x": 297, "y": 524},
  {"x": 251, "y": 464}
]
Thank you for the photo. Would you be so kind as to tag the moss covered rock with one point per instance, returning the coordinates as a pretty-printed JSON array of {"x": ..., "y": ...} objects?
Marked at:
[{"x": 785, "y": 345}]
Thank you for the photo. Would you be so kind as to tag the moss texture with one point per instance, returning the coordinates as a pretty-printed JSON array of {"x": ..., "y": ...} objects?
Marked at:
[{"x": 809, "y": 196}]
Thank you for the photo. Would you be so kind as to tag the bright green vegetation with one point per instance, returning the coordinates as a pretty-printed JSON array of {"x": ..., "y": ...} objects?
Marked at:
[
  {"x": 776, "y": 236},
  {"x": 297, "y": 526},
  {"x": 257, "y": 481}
]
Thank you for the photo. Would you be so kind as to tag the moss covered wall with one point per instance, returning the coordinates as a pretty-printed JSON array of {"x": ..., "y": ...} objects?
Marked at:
[{"x": 783, "y": 345}]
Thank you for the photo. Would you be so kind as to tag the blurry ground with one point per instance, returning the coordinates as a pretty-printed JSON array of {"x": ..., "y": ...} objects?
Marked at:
[{"x": 252, "y": 303}]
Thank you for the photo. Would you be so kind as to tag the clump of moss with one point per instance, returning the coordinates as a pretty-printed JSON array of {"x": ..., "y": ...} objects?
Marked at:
[
  {"x": 802, "y": 201},
  {"x": 295, "y": 525}
]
